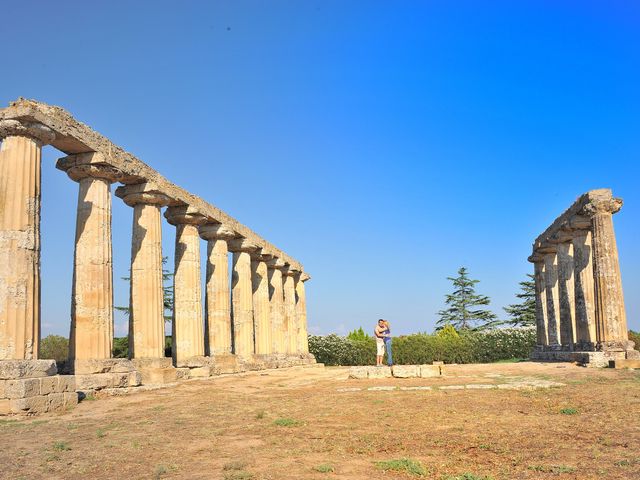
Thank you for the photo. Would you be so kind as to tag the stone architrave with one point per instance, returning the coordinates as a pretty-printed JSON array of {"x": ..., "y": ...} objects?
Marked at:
[
  {"x": 187, "y": 332},
  {"x": 242, "y": 297},
  {"x": 290, "y": 321},
  {"x": 542, "y": 338},
  {"x": 301, "y": 313},
  {"x": 566, "y": 294},
  {"x": 20, "y": 172},
  {"x": 552, "y": 297},
  {"x": 261, "y": 308},
  {"x": 276, "y": 303},
  {"x": 146, "y": 316},
  {"x": 91, "y": 334},
  {"x": 584, "y": 290},
  {"x": 217, "y": 319},
  {"x": 611, "y": 321}
]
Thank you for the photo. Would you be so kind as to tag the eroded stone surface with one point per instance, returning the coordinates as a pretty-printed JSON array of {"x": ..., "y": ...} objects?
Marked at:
[{"x": 11, "y": 369}]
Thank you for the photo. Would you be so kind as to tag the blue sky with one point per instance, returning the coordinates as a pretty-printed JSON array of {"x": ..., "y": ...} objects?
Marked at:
[{"x": 383, "y": 144}]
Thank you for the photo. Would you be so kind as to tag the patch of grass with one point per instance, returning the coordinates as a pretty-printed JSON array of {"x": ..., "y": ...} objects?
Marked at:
[
  {"x": 160, "y": 470},
  {"x": 61, "y": 446},
  {"x": 100, "y": 433},
  {"x": 286, "y": 422},
  {"x": 235, "y": 465},
  {"x": 72, "y": 426},
  {"x": 238, "y": 476},
  {"x": 466, "y": 476},
  {"x": 324, "y": 468},
  {"x": 90, "y": 397},
  {"x": 569, "y": 411},
  {"x": 260, "y": 415},
  {"x": 39, "y": 422},
  {"x": 407, "y": 465},
  {"x": 556, "y": 469}
]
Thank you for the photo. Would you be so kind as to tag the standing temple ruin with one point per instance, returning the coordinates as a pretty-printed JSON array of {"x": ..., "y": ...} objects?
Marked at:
[
  {"x": 580, "y": 312},
  {"x": 254, "y": 316}
]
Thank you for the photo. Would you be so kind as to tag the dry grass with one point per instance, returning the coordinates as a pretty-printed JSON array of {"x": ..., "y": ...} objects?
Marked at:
[{"x": 238, "y": 427}]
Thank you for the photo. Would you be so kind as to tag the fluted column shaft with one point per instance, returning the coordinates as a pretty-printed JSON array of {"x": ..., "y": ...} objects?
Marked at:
[
  {"x": 20, "y": 157},
  {"x": 242, "y": 300},
  {"x": 584, "y": 290},
  {"x": 566, "y": 293},
  {"x": 187, "y": 331},
  {"x": 261, "y": 308},
  {"x": 276, "y": 304},
  {"x": 91, "y": 334},
  {"x": 217, "y": 319},
  {"x": 301, "y": 315},
  {"x": 542, "y": 338},
  {"x": 552, "y": 297},
  {"x": 290, "y": 321},
  {"x": 611, "y": 321}
]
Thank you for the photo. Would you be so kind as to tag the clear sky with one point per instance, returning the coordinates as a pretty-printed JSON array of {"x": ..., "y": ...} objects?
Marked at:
[{"x": 383, "y": 144}]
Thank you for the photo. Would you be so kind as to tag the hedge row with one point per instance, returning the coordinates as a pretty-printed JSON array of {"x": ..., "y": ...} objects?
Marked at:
[{"x": 420, "y": 348}]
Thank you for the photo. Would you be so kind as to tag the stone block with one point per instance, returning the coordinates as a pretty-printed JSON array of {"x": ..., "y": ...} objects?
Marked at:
[
  {"x": 67, "y": 383},
  {"x": 135, "y": 379},
  {"x": 194, "y": 362},
  {"x": 416, "y": 388},
  {"x": 48, "y": 385},
  {"x": 152, "y": 375},
  {"x": 140, "y": 363},
  {"x": 451, "y": 387},
  {"x": 96, "y": 381},
  {"x": 380, "y": 372},
  {"x": 624, "y": 363},
  {"x": 55, "y": 402},
  {"x": 106, "y": 365},
  {"x": 200, "y": 372},
  {"x": 405, "y": 371},
  {"x": 5, "y": 407},
  {"x": 633, "y": 354},
  {"x": 359, "y": 372},
  {"x": 70, "y": 398},
  {"x": 437, "y": 362},
  {"x": 480, "y": 386},
  {"x": 429, "y": 371},
  {"x": 2, "y": 388},
  {"x": 14, "y": 369},
  {"x": 26, "y": 387},
  {"x": 37, "y": 404},
  {"x": 182, "y": 373},
  {"x": 119, "y": 380},
  {"x": 382, "y": 389}
]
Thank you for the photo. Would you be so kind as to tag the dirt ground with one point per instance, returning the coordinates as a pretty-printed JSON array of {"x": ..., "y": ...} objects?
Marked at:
[{"x": 301, "y": 424}]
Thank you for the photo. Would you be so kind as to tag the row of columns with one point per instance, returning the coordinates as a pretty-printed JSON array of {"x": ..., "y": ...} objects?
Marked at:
[
  {"x": 260, "y": 310},
  {"x": 579, "y": 297}
]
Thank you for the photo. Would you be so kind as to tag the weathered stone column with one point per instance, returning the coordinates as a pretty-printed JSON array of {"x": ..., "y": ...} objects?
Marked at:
[
  {"x": 217, "y": 319},
  {"x": 261, "y": 307},
  {"x": 552, "y": 296},
  {"x": 611, "y": 321},
  {"x": 301, "y": 313},
  {"x": 146, "y": 317},
  {"x": 290, "y": 321},
  {"x": 542, "y": 339},
  {"x": 276, "y": 302},
  {"x": 242, "y": 297},
  {"x": 566, "y": 294},
  {"x": 584, "y": 291},
  {"x": 187, "y": 334},
  {"x": 92, "y": 297},
  {"x": 20, "y": 157}
]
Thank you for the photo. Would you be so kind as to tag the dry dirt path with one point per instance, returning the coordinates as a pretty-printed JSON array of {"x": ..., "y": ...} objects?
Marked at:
[{"x": 285, "y": 424}]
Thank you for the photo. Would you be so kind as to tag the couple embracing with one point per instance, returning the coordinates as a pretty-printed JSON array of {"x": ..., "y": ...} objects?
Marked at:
[{"x": 382, "y": 333}]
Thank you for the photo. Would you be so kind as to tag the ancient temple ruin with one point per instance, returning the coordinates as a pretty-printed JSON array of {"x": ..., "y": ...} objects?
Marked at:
[
  {"x": 255, "y": 319},
  {"x": 580, "y": 313}
]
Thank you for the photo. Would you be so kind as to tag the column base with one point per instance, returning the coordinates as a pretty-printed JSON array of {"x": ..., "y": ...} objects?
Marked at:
[
  {"x": 156, "y": 371},
  {"x": 33, "y": 386},
  {"x": 585, "y": 358}
]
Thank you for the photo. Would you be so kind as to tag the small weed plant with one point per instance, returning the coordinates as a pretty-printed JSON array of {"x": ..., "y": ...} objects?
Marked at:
[
  {"x": 412, "y": 467},
  {"x": 569, "y": 411},
  {"x": 324, "y": 468},
  {"x": 61, "y": 446},
  {"x": 286, "y": 422}
]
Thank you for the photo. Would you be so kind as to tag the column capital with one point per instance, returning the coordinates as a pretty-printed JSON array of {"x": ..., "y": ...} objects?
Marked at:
[
  {"x": 536, "y": 257},
  {"x": 142, "y": 193},
  {"x": 304, "y": 276},
  {"x": 184, "y": 215},
  {"x": 602, "y": 205},
  {"x": 580, "y": 223},
  {"x": 276, "y": 263},
  {"x": 35, "y": 131},
  {"x": 215, "y": 231},
  {"x": 243, "y": 245},
  {"x": 289, "y": 271},
  {"x": 89, "y": 164}
]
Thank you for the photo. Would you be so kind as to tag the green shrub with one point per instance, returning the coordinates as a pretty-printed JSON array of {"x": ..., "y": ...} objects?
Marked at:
[
  {"x": 421, "y": 348},
  {"x": 121, "y": 347},
  {"x": 635, "y": 337},
  {"x": 54, "y": 347}
]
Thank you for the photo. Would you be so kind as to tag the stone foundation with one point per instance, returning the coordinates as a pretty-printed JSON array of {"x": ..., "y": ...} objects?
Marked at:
[
  {"x": 586, "y": 359},
  {"x": 397, "y": 371}
]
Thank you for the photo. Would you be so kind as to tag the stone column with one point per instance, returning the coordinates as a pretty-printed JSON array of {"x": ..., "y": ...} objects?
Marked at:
[
  {"x": 290, "y": 321},
  {"x": 217, "y": 319},
  {"x": 187, "y": 332},
  {"x": 552, "y": 296},
  {"x": 566, "y": 294},
  {"x": 611, "y": 321},
  {"x": 20, "y": 157},
  {"x": 542, "y": 339},
  {"x": 261, "y": 307},
  {"x": 276, "y": 303},
  {"x": 584, "y": 291},
  {"x": 242, "y": 297},
  {"x": 92, "y": 297},
  {"x": 146, "y": 315},
  {"x": 301, "y": 313}
]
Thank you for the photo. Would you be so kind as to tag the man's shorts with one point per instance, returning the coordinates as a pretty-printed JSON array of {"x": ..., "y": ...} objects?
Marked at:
[{"x": 379, "y": 347}]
